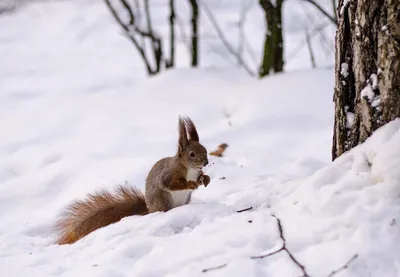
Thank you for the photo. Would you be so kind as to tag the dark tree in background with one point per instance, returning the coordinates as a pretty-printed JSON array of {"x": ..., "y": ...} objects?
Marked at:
[
  {"x": 272, "y": 60},
  {"x": 367, "y": 70},
  {"x": 195, "y": 32},
  {"x": 171, "y": 62}
]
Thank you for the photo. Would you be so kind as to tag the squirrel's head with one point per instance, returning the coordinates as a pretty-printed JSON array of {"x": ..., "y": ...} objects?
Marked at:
[{"x": 190, "y": 152}]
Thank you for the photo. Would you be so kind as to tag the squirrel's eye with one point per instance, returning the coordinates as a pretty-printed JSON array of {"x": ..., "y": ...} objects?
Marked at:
[{"x": 192, "y": 154}]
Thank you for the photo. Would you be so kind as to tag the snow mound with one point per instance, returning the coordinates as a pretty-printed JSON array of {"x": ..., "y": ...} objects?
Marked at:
[{"x": 277, "y": 163}]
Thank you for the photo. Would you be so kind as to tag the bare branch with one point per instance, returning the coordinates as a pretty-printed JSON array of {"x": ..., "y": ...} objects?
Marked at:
[
  {"x": 241, "y": 24},
  {"x": 331, "y": 18},
  {"x": 327, "y": 47},
  {"x": 132, "y": 38},
  {"x": 334, "y": 9},
  {"x": 225, "y": 42},
  {"x": 303, "y": 43},
  {"x": 131, "y": 29},
  {"x": 310, "y": 50},
  {"x": 130, "y": 12}
]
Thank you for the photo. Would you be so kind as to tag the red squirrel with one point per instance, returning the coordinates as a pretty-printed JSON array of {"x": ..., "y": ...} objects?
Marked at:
[{"x": 169, "y": 184}]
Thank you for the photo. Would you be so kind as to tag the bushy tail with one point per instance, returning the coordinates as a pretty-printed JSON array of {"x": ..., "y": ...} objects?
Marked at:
[{"x": 99, "y": 209}]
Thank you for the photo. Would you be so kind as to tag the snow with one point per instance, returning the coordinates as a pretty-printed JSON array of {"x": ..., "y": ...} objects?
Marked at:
[
  {"x": 77, "y": 115},
  {"x": 350, "y": 119},
  {"x": 368, "y": 92},
  {"x": 344, "y": 70},
  {"x": 374, "y": 81}
]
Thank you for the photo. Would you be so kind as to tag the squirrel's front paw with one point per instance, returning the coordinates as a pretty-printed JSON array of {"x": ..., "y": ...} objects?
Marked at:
[
  {"x": 192, "y": 185},
  {"x": 204, "y": 180}
]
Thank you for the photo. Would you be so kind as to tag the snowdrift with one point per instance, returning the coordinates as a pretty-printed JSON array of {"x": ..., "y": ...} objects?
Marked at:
[{"x": 61, "y": 146}]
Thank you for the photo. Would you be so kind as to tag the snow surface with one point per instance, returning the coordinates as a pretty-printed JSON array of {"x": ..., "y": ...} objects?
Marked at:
[{"x": 76, "y": 115}]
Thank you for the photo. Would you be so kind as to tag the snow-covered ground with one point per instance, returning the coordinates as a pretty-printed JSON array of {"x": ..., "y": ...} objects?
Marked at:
[{"x": 77, "y": 115}]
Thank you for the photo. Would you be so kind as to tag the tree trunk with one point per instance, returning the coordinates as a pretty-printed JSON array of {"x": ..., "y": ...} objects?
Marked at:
[
  {"x": 367, "y": 70},
  {"x": 195, "y": 35},
  {"x": 272, "y": 60},
  {"x": 171, "y": 61}
]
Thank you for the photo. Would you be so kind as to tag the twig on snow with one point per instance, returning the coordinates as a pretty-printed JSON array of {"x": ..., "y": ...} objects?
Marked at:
[
  {"x": 244, "y": 210},
  {"x": 214, "y": 268},
  {"x": 343, "y": 267},
  {"x": 283, "y": 248}
]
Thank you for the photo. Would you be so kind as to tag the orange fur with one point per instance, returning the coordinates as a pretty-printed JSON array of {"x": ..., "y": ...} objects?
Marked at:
[
  {"x": 220, "y": 150},
  {"x": 99, "y": 209}
]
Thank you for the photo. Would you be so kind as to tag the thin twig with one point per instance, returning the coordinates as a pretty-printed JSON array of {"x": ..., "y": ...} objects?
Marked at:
[
  {"x": 225, "y": 42},
  {"x": 244, "y": 210},
  {"x": 302, "y": 44},
  {"x": 323, "y": 39},
  {"x": 241, "y": 24},
  {"x": 214, "y": 268},
  {"x": 331, "y": 18},
  {"x": 310, "y": 49},
  {"x": 267, "y": 255},
  {"x": 132, "y": 38},
  {"x": 345, "y": 266},
  {"x": 284, "y": 248}
]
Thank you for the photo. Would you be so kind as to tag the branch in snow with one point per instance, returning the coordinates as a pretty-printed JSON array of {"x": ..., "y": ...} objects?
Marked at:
[
  {"x": 244, "y": 210},
  {"x": 345, "y": 266},
  {"x": 214, "y": 268},
  {"x": 284, "y": 248}
]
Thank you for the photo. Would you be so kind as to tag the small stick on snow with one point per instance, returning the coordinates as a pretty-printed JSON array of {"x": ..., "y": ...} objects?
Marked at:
[
  {"x": 345, "y": 266},
  {"x": 244, "y": 210},
  {"x": 214, "y": 268}
]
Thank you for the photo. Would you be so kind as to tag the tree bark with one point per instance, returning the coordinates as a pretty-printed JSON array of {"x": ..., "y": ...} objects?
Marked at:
[
  {"x": 272, "y": 60},
  {"x": 367, "y": 70}
]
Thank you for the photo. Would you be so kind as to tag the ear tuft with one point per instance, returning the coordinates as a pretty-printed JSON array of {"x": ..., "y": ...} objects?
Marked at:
[
  {"x": 183, "y": 140},
  {"x": 191, "y": 129}
]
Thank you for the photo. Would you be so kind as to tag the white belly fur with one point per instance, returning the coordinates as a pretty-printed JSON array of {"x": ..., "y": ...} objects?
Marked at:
[{"x": 180, "y": 197}]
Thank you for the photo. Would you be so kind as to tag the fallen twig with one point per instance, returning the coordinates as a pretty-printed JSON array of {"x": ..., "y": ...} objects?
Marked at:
[
  {"x": 244, "y": 210},
  {"x": 214, "y": 268},
  {"x": 283, "y": 248},
  {"x": 345, "y": 266}
]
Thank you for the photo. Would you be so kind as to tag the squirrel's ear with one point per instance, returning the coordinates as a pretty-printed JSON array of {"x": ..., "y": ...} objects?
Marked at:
[
  {"x": 191, "y": 129},
  {"x": 183, "y": 140}
]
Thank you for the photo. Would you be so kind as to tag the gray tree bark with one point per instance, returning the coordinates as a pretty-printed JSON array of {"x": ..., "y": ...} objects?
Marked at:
[{"x": 367, "y": 70}]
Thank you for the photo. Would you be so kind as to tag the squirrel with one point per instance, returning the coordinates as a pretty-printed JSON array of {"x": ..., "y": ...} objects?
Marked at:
[{"x": 169, "y": 184}]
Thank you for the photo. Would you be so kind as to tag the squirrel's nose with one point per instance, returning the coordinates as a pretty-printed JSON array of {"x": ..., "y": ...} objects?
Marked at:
[{"x": 205, "y": 163}]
